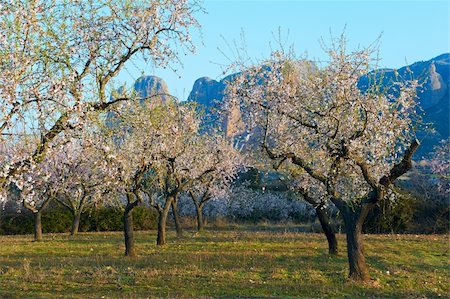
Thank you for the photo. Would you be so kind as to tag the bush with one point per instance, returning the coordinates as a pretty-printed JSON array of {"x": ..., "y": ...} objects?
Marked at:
[
  {"x": 56, "y": 220},
  {"x": 431, "y": 217},
  {"x": 110, "y": 219},
  {"x": 392, "y": 215},
  {"x": 13, "y": 223},
  {"x": 432, "y": 210},
  {"x": 102, "y": 219},
  {"x": 59, "y": 220},
  {"x": 145, "y": 218}
]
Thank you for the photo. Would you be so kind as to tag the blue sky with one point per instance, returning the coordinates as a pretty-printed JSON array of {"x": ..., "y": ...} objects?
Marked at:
[{"x": 412, "y": 31}]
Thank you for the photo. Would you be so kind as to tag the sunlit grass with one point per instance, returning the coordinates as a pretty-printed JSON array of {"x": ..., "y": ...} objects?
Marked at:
[{"x": 240, "y": 262}]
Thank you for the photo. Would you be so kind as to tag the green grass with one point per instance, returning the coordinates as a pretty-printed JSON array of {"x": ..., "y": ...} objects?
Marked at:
[{"x": 243, "y": 261}]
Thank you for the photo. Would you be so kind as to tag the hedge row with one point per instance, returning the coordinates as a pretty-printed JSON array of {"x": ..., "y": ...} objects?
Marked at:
[
  {"x": 59, "y": 220},
  {"x": 408, "y": 215}
]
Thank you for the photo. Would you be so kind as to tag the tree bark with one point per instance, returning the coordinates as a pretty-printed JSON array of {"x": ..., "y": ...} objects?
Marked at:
[
  {"x": 327, "y": 230},
  {"x": 162, "y": 221},
  {"x": 200, "y": 221},
  {"x": 354, "y": 220},
  {"x": 75, "y": 223},
  {"x": 176, "y": 219},
  {"x": 129, "y": 230},
  {"x": 355, "y": 251},
  {"x": 38, "y": 226}
]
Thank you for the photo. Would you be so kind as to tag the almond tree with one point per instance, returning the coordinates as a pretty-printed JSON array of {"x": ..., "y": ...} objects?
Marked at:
[
  {"x": 58, "y": 61},
  {"x": 316, "y": 195},
  {"x": 353, "y": 143},
  {"x": 214, "y": 153},
  {"x": 82, "y": 178},
  {"x": 37, "y": 198},
  {"x": 132, "y": 145},
  {"x": 440, "y": 165},
  {"x": 186, "y": 157},
  {"x": 38, "y": 189},
  {"x": 33, "y": 192},
  {"x": 216, "y": 150}
]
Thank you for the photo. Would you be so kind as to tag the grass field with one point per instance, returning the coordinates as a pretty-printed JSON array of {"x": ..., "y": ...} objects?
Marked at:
[{"x": 241, "y": 261}]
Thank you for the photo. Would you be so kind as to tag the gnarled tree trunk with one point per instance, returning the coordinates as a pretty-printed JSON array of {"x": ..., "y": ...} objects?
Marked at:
[
  {"x": 75, "y": 222},
  {"x": 37, "y": 213},
  {"x": 129, "y": 230},
  {"x": 128, "y": 227},
  {"x": 354, "y": 220},
  {"x": 324, "y": 222},
  {"x": 38, "y": 226},
  {"x": 355, "y": 251},
  {"x": 327, "y": 230},
  {"x": 162, "y": 221},
  {"x": 200, "y": 220},
  {"x": 176, "y": 218}
]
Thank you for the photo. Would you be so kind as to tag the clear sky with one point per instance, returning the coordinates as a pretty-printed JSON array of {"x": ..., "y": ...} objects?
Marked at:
[{"x": 411, "y": 31}]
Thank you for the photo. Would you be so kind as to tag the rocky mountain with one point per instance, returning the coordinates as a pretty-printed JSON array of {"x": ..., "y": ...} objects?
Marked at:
[
  {"x": 146, "y": 86},
  {"x": 207, "y": 91},
  {"x": 433, "y": 98}
]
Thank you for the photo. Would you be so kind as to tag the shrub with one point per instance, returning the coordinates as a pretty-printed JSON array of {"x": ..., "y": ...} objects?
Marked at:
[
  {"x": 56, "y": 220},
  {"x": 145, "y": 218},
  {"x": 14, "y": 223},
  {"x": 393, "y": 214},
  {"x": 59, "y": 220},
  {"x": 110, "y": 219}
]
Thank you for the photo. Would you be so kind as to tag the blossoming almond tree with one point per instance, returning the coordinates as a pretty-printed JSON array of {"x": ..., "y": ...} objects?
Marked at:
[
  {"x": 58, "y": 60},
  {"x": 174, "y": 126},
  {"x": 440, "y": 165},
  {"x": 39, "y": 188},
  {"x": 82, "y": 175},
  {"x": 152, "y": 145},
  {"x": 313, "y": 193},
  {"x": 214, "y": 150},
  {"x": 187, "y": 158},
  {"x": 351, "y": 142},
  {"x": 132, "y": 145}
]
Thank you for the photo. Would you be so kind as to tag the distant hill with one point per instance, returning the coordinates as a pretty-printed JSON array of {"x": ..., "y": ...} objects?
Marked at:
[
  {"x": 150, "y": 85},
  {"x": 434, "y": 98},
  {"x": 144, "y": 87}
]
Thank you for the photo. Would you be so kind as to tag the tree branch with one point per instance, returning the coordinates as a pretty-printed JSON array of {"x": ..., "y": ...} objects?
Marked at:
[{"x": 402, "y": 167}]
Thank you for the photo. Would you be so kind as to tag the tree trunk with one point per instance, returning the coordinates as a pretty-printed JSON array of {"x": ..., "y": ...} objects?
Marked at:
[
  {"x": 176, "y": 219},
  {"x": 129, "y": 230},
  {"x": 355, "y": 248},
  {"x": 200, "y": 220},
  {"x": 75, "y": 223},
  {"x": 328, "y": 230},
  {"x": 38, "y": 226},
  {"x": 161, "y": 239}
]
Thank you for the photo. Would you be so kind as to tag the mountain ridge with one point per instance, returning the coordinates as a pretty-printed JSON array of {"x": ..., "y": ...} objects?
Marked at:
[
  {"x": 434, "y": 99},
  {"x": 434, "y": 74}
]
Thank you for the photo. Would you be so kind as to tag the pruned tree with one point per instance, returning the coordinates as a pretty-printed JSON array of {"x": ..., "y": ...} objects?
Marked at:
[
  {"x": 131, "y": 144},
  {"x": 82, "y": 176},
  {"x": 184, "y": 160},
  {"x": 38, "y": 189},
  {"x": 354, "y": 141},
  {"x": 215, "y": 150},
  {"x": 440, "y": 165},
  {"x": 316, "y": 195},
  {"x": 58, "y": 60}
]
